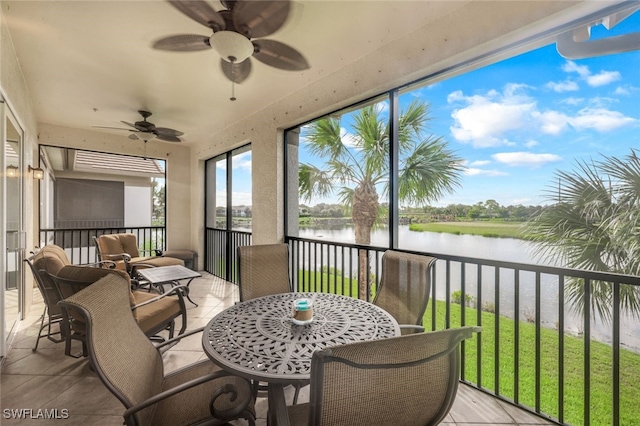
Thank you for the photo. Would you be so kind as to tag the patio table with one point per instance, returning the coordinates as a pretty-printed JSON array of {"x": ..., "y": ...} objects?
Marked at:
[
  {"x": 258, "y": 340},
  {"x": 161, "y": 275}
]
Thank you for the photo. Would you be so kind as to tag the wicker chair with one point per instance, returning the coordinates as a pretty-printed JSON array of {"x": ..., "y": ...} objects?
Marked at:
[
  {"x": 263, "y": 270},
  {"x": 153, "y": 313},
  {"x": 409, "y": 380},
  {"x": 404, "y": 288},
  {"x": 123, "y": 250},
  {"x": 50, "y": 258},
  {"x": 131, "y": 367}
]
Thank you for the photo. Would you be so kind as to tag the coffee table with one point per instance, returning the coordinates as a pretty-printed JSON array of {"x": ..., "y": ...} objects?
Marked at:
[{"x": 172, "y": 275}]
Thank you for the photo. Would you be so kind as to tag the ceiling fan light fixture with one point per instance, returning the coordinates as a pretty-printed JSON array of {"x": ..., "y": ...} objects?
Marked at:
[
  {"x": 145, "y": 136},
  {"x": 231, "y": 46}
]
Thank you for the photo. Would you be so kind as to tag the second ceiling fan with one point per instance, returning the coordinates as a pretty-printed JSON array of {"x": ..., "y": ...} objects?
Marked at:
[{"x": 236, "y": 35}]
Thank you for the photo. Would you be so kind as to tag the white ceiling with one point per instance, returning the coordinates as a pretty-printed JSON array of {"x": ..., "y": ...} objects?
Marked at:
[{"x": 90, "y": 63}]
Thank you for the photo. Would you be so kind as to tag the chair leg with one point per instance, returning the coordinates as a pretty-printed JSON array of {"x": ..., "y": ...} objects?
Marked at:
[{"x": 35, "y": 348}]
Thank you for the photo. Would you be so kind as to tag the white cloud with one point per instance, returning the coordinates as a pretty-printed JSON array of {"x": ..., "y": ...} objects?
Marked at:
[
  {"x": 603, "y": 78},
  {"x": 472, "y": 171},
  {"x": 552, "y": 122},
  {"x": 348, "y": 139},
  {"x": 582, "y": 70},
  {"x": 593, "y": 80},
  {"x": 526, "y": 159},
  {"x": 600, "y": 119},
  {"x": 531, "y": 143},
  {"x": 479, "y": 163},
  {"x": 485, "y": 118},
  {"x": 563, "y": 86}
]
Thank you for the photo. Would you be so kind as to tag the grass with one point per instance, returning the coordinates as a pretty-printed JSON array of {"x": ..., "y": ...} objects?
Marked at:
[
  {"x": 600, "y": 403},
  {"x": 485, "y": 229}
]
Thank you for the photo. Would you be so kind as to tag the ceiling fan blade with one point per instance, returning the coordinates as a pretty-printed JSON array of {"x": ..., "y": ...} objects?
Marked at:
[
  {"x": 200, "y": 12},
  {"x": 183, "y": 43},
  {"x": 260, "y": 18},
  {"x": 130, "y": 124},
  {"x": 169, "y": 138},
  {"x": 236, "y": 72},
  {"x": 165, "y": 131},
  {"x": 279, "y": 55}
]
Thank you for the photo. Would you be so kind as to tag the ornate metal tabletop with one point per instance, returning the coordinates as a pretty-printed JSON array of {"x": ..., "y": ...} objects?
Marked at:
[{"x": 258, "y": 340}]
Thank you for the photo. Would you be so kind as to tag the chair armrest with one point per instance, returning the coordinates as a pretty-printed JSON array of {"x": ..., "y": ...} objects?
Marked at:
[
  {"x": 178, "y": 290},
  {"x": 277, "y": 412},
  {"x": 110, "y": 264},
  {"x": 179, "y": 337},
  {"x": 119, "y": 256},
  {"x": 226, "y": 388}
]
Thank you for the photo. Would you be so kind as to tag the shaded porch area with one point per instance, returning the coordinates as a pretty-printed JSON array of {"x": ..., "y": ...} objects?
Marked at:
[{"x": 49, "y": 380}]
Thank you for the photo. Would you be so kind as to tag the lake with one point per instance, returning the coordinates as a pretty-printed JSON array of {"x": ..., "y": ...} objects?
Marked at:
[{"x": 504, "y": 249}]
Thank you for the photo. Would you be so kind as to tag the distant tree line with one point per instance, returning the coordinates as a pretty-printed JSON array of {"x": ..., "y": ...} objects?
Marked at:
[{"x": 482, "y": 210}]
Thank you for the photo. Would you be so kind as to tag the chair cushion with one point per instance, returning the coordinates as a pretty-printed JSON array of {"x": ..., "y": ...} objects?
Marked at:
[
  {"x": 51, "y": 258},
  {"x": 129, "y": 244},
  {"x": 159, "y": 312},
  {"x": 157, "y": 261},
  {"x": 110, "y": 244}
]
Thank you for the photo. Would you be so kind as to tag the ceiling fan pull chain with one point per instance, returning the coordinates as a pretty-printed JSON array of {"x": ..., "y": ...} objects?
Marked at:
[{"x": 233, "y": 80}]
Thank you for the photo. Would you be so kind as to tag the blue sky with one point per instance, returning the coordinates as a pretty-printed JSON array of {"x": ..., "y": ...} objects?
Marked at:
[{"x": 516, "y": 122}]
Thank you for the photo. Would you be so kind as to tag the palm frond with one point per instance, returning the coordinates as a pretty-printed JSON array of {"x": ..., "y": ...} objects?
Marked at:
[
  {"x": 313, "y": 181},
  {"x": 429, "y": 172}
]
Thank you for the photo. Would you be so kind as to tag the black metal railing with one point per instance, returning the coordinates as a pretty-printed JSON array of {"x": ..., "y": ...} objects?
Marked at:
[
  {"x": 221, "y": 257},
  {"x": 533, "y": 347},
  {"x": 80, "y": 247}
]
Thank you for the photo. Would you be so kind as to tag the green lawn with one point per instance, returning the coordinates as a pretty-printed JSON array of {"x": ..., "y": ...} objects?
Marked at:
[
  {"x": 600, "y": 377},
  {"x": 601, "y": 356},
  {"x": 485, "y": 229}
]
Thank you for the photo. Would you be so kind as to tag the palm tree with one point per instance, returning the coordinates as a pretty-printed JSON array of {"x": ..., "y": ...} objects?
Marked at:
[
  {"x": 357, "y": 167},
  {"x": 593, "y": 224}
]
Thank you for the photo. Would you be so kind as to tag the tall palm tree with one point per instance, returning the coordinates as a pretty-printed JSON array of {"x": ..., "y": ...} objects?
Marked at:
[
  {"x": 357, "y": 167},
  {"x": 593, "y": 223}
]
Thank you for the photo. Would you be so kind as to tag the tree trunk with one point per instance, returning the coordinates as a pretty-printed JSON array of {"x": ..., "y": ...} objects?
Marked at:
[{"x": 364, "y": 214}]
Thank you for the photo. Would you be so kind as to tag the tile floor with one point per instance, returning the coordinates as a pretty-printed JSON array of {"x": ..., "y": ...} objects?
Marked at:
[{"x": 48, "y": 379}]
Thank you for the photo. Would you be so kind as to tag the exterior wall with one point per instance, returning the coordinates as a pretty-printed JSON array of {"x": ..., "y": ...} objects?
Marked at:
[
  {"x": 178, "y": 184},
  {"x": 16, "y": 96}
]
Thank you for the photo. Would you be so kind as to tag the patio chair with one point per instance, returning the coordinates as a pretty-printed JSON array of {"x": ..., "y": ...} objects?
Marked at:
[
  {"x": 131, "y": 367},
  {"x": 404, "y": 288},
  {"x": 152, "y": 313},
  {"x": 49, "y": 258},
  {"x": 409, "y": 380},
  {"x": 263, "y": 270},
  {"x": 123, "y": 250}
]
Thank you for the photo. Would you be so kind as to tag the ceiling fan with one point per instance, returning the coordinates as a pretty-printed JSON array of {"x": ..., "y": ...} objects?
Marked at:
[
  {"x": 146, "y": 131},
  {"x": 235, "y": 30}
]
